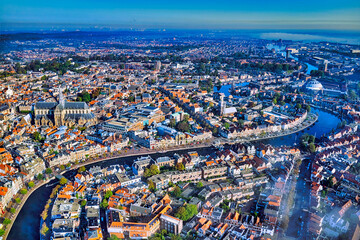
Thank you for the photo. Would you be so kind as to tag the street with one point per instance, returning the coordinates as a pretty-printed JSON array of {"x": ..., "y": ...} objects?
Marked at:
[{"x": 298, "y": 219}]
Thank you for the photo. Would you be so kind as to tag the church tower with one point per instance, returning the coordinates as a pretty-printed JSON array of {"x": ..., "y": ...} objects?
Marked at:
[
  {"x": 222, "y": 104},
  {"x": 59, "y": 112},
  {"x": 61, "y": 98}
]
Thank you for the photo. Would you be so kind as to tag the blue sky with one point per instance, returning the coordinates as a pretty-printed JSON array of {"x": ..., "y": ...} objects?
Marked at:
[{"x": 224, "y": 14}]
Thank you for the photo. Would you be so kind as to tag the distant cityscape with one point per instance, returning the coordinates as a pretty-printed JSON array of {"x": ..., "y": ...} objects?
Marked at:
[{"x": 167, "y": 135}]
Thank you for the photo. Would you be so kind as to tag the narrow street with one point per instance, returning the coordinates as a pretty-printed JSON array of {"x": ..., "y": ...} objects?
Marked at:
[{"x": 299, "y": 213}]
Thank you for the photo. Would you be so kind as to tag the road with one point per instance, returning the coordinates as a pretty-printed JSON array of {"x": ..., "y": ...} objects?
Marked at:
[{"x": 299, "y": 218}]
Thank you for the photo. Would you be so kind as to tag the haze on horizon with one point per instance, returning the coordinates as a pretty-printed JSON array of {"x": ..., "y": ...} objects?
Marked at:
[{"x": 186, "y": 14}]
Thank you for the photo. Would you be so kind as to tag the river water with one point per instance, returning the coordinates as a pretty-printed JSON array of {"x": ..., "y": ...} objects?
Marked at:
[
  {"x": 281, "y": 50},
  {"x": 27, "y": 224}
]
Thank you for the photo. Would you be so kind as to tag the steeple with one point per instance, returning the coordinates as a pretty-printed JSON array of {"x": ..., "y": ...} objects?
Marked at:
[{"x": 61, "y": 97}]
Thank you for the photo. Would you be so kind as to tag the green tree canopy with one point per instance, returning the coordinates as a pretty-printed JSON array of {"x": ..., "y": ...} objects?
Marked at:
[
  {"x": 177, "y": 191},
  {"x": 113, "y": 237},
  {"x": 104, "y": 204},
  {"x": 187, "y": 212},
  {"x": 108, "y": 194},
  {"x": 152, "y": 170},
  {"x": 312, "y": 147},
  {"x": 23, "y": 191},
  {"x": 183, "y": 126},
  {"x": 6, "y": 221},
  {"x": 63, "y": 181},
  {"x": 180, "y": 166},
  {"x": 40, "y": 176},
  {"x": 152, "y": 186}
]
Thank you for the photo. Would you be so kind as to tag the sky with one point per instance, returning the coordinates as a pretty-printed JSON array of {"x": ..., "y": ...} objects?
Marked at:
[{"x": 186, "y": 14}]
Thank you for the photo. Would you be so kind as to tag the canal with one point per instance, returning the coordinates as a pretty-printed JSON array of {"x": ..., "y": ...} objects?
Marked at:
[
  {"x": 27, "y": 224},
  {"x": 281, "y": 50}
]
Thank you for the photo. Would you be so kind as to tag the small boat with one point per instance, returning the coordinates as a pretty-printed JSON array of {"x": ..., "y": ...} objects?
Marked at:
[{"x": 50, "y": 185}]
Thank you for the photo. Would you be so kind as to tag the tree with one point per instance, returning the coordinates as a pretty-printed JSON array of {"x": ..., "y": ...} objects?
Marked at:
[
  {"x": 31, "y": 184},
  {"x": 131, "y": 98},
  {"x": 312, "y": 147},
  {"x": 298, "y": 106},
  {"x": 83, "y": 203},
  {"x": 81, "y": 169},
  {"x": 317, "y": 73},
  {"x": 183, "y": 126},
  {"x": 172, "y": 123},
  {"x": 187, "y": 212},
  {"x": 174, "y": 237},
  {"x": 23, "y": 191},
  {"x": 44, "y": 229},
  {"x": 199, "y": 185},
  {"x": 6, "y": 221},
  {"x": 2, "y": 232},
  {"x": 352, "y": 94},
  {"x": 63, "y": 181},
  {"x": 225, "y": 205},
  {"x": 154, "y": 169},
  {"x": 177, "y": 191},
  {"x": 308, "y": 108},
  {"x": 86, "y": 96},
  {"x": 17, "y": 200},
  {"x": 275, "y": 101},
  {"x": 186, "y": 117},
  {"x": 152, "y": 186},
  {"x": 113, "y": 237},
  {"x": 40, "y": 176},
  {"x": 48, "y": 171},
  {"x": 147, "y": 173},
  {"x": 36, "y": 136},
  {"x": 12, "y": 210},
  {"x": 215, "y": 131},
  {"x": 180, "y": 166},
  {"x": 104, "y": 204},
  {"x": 62, "y": 167},
  {"x": 108, "y": 194},
  {"x": 181, "y": 213},
  {"x": 311, "y": 139},
  {"x": 323, "y": 193},
  {"x": 226, "y": 125}
]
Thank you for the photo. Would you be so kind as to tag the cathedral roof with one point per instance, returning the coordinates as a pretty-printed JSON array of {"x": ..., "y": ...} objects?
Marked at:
[
  {"x": 85, "y": 116},
  {"x": 45, "y": 105},
  {"x": 67, "y": 105}
]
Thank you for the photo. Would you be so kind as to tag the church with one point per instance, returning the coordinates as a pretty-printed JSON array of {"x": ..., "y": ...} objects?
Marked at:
[{"x": 70, "y": 114}]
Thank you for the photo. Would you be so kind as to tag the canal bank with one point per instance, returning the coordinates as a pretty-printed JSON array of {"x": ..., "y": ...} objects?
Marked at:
[
  {"x": 27, "y": 224},
  {"x": 23, "y": 201}
]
